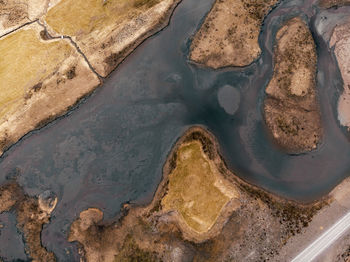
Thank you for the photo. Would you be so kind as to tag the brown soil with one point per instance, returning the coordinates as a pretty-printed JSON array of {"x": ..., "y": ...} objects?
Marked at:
[
  {"x": 262, "y": 223},
  {"x": 32, "y": 213},
  {"x": 291, "y": 107},
  {"x": 229, "y": 34}
]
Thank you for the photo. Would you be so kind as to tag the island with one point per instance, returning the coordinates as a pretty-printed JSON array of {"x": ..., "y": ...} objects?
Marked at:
[
  {"x": 62, "y": 50},
  {"x": 291, "y": 109},
  {"x": 230, "y": 32}
]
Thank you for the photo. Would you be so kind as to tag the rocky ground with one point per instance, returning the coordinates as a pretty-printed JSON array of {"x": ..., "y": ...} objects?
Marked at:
[
  {"x": 31, "y": 213},
  {"x": 229, "y": 34},
  {"x": 340, "y": 41},
  {"x": 291, "y": 108},
  {"x": 62, "y": 49},
  {"x": 254, "y": 228}
]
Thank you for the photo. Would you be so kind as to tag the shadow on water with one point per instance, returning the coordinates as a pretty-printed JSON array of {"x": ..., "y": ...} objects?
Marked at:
[{"x": 111, "y": 149}]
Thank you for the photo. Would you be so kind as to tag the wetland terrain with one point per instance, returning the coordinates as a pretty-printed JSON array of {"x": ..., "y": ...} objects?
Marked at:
[{"x": 211, "y": 135}]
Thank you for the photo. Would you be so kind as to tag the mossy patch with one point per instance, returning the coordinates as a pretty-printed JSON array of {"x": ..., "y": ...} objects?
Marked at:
[{"x": 196, "y": 190}]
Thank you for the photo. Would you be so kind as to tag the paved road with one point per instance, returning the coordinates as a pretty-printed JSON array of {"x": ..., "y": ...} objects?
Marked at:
[{"x": 325, "y": 240}]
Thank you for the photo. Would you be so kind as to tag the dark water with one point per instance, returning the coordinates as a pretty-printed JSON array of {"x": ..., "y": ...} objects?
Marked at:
[{"x": 112, "y": 148}]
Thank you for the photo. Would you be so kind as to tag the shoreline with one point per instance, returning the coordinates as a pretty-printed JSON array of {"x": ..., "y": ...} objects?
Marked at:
[
  {"x": 150, "y": 226},
  {"x": 7, "y": 142}
]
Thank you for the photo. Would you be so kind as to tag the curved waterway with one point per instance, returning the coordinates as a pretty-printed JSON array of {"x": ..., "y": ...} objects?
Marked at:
[{"x": 111, "y": 148}]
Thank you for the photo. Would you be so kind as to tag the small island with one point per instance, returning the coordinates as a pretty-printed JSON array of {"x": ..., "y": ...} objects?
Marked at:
[
  {"x": 230, "y": 32},
  {"x": 291, "y": 108}
]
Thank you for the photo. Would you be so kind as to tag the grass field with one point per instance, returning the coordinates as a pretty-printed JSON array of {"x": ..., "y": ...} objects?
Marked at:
[
  {"x": 195, "y": 189},
  {"x": 26, "y": 61}
]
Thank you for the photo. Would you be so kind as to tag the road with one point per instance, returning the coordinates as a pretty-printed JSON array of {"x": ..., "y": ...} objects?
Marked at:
[{"x": 324, "y": 241}]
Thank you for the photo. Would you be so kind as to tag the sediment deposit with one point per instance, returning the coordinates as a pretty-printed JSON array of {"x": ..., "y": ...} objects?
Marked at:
[
  {"x": 340, "y": 40},
  {"x": 229, "y": 34},
  {"x": 291, "y": 106},
  {"x": 252, "y": 225}
]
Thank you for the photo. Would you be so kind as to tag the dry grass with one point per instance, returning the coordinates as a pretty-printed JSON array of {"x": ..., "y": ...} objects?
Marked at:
[
  {"x": 25, "y": 62},
  {"x": 81, "y": 17},
  {"x": 196, "y": 190}
]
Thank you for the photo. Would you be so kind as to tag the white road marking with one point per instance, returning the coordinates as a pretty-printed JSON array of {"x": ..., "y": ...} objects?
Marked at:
[{"x": 324, "y": 241}]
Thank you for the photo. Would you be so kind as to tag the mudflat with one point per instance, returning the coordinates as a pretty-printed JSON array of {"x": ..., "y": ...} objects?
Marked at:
[
  {"x": 229, "y": 34},
  {"x": 340, "y": 40},
  {"x": 291, "y": 108}
]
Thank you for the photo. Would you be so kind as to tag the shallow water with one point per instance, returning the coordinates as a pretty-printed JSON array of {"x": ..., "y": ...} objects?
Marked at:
[{"x": 112, "y": 148}]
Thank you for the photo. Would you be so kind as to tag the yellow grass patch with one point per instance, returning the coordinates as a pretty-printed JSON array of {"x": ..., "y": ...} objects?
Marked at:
[
  {"x": 26, "y": 61},
  {"x": 81, "y": 17},
  {"x": 196, "y": 190}
]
